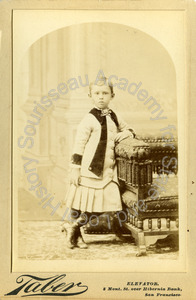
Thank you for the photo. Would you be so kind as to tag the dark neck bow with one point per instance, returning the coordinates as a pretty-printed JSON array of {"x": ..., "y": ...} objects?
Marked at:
[
  {"x": 106, "y": 112},
  {"x": 101, "y": 113}
]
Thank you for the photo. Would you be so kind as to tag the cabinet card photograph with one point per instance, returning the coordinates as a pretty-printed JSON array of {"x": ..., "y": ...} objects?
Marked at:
[
  {"x": 97, "y": 111},
  {"x": 99, "y": 153}
]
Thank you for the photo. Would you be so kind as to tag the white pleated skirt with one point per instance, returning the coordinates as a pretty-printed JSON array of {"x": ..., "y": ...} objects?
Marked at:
[{"x": 94, "y": 200}]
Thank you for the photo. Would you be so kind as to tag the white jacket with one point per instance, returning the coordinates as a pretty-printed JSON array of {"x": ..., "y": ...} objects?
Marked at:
[{"x": 86, "y": 142}]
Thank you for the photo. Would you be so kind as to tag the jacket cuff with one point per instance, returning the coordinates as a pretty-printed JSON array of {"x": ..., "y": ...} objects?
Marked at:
[
  {"x": 76, "y": 159},
  {"x": 73, "y": 166}
]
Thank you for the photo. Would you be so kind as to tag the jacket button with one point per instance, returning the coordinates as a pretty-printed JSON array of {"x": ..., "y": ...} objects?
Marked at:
[{"x": 90, "y": 168}]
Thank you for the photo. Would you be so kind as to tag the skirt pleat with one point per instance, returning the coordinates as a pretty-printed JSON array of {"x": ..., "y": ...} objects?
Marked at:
[
  {"x": 84, "y": 199},
  {"x": 70, "y": 196},
  {"x": 91, "y": 196},
  {"x": 94, "y": 200}
]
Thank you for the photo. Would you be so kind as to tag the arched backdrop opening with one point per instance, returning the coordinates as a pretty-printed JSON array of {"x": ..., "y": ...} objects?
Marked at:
[{"x": 71, "y": 56}]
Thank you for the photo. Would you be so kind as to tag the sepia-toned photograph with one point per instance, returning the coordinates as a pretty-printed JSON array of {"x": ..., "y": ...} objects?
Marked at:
[
  {"x": 96, "y": 145},
  {"x": 97, "y": 172}
]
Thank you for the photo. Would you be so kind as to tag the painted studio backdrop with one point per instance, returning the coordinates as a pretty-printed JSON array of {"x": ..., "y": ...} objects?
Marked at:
[{"x": 52, "y": 98}]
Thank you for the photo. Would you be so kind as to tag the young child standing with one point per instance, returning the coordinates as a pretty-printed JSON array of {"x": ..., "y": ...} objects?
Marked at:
[{"x": 94, "y": 185}]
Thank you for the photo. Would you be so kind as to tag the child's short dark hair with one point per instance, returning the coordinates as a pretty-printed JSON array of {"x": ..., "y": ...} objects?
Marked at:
[{"x": 102, "y": 81}]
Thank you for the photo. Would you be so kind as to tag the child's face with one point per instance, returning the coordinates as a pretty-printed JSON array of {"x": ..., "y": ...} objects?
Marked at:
[{"x": 101, "y": 96}]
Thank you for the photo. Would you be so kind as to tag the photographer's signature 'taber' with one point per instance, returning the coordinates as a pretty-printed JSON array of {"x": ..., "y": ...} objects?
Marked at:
[{"x": 30, "y": 285}]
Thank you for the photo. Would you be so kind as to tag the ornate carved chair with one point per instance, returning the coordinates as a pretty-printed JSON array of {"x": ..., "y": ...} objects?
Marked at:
[
  {"x": 149, "y": 189},
  {"x": 147, "y": 173}
]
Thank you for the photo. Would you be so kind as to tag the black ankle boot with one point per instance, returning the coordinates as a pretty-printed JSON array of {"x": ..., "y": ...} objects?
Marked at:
[
  {"x": 73, "y": 233},
  {"x": 78, "y": 240},
  {"x": 70, "y": 231},
  {"x": 117, "y": 230}
]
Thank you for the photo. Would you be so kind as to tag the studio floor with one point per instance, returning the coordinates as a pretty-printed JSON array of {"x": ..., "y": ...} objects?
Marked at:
[{"x": 43, "y": 240}]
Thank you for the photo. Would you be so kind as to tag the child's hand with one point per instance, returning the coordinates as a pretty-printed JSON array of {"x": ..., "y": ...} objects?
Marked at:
[
  {"x": 75, "y": 176},
  {"x": 123, "y": 135}
]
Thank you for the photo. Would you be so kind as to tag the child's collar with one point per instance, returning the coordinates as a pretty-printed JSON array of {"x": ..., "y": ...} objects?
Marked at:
[{"x": 104, "y": 111}]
